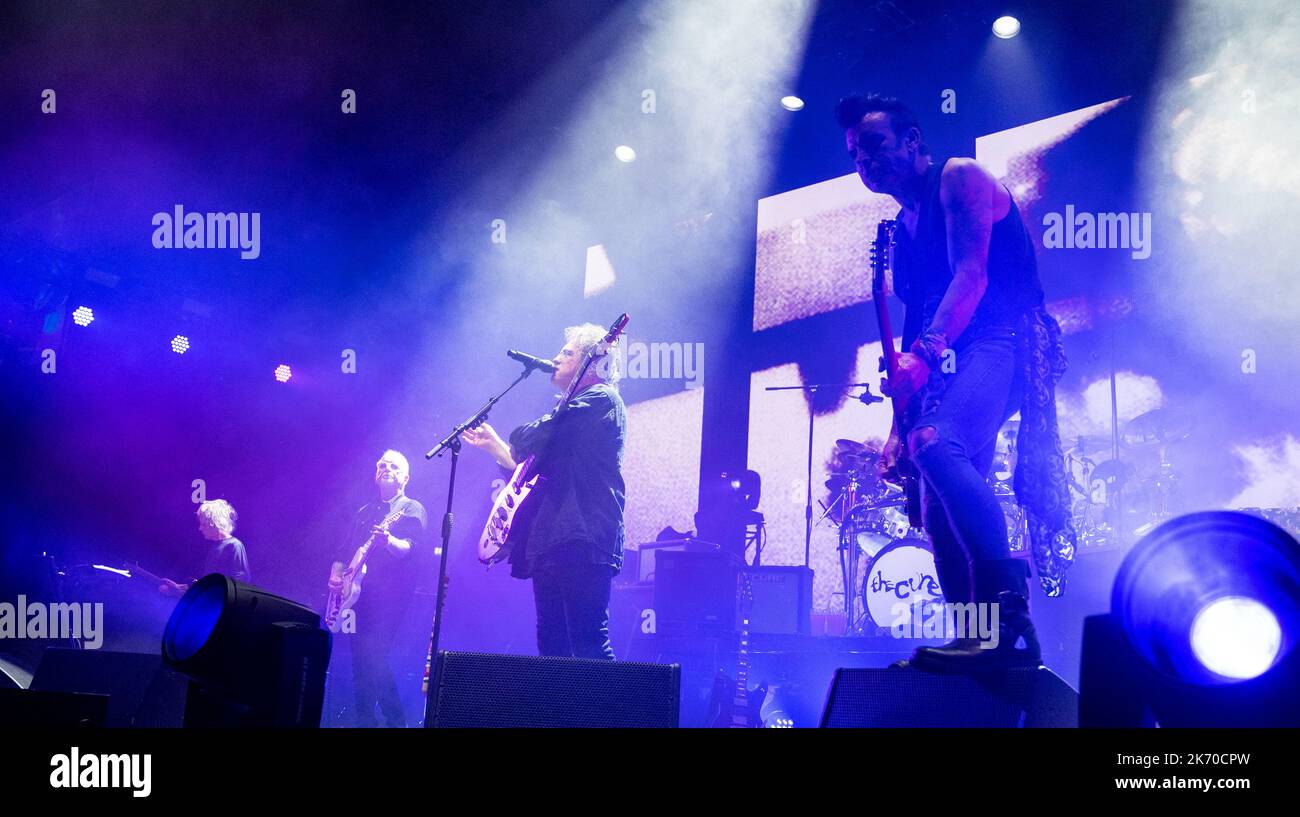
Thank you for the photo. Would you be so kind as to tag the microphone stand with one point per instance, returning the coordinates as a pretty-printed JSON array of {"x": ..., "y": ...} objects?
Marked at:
[
  {"x": 867, "y": 398},
  {"x": 452, "y": 443}
]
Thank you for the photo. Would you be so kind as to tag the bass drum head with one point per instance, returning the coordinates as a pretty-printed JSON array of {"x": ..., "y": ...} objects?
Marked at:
[{"x": 901, "y": 585}]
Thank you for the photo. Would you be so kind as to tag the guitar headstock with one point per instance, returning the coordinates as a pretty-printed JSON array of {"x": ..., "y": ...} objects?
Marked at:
[
  {"x": 744, "y": 590},
  {"x": 598, "y": 351},
  {"x": 880, "y": 250},
  {"x": 615, "y": 330}
]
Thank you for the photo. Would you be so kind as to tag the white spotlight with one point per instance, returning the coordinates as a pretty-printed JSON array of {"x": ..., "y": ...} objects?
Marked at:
[
  {"x": 1006, "y": 27},
  {"x": 625, "y": 153},
  {"x": 792, "y": 103},
  {"x": 1236, "y": 637}
]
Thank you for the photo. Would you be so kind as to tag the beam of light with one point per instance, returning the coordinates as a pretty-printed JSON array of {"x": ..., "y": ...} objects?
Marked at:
[
  {"x": 689, "y": 83},
  {"x": 1221, "y": 174},
  {"x": 1236, "y": 637},
  {"x": 1006, "y": 27},
  {"x": 83, "y": 316}
]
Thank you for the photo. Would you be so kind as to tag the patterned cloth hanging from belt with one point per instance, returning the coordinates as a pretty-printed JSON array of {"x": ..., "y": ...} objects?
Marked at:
[{"x": 1040, "y": 481}]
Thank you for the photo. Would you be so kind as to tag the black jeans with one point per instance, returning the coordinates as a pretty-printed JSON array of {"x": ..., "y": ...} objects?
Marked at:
[
  {"x": 573, "y": 610},
  {"x": 372, "y": 677},
  {"x": 964, "y": 413}
]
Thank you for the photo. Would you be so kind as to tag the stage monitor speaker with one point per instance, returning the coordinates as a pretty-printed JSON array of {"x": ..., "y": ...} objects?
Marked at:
[
  {"x": 695, "y": 592},
  {"x": 142, "y": 692},
  {"x": 518, "y": 691},
  {"x": 782, "y": 602},
  {"x": 43, "y": 709},
  {"x": 907, "y": 697}
]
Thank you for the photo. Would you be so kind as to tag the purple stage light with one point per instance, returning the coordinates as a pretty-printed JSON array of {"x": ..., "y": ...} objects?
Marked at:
[
  {"x": 180, "y": 344},
  {"x": 283, "y": 373},
  {"x": 83, "y": 315}
]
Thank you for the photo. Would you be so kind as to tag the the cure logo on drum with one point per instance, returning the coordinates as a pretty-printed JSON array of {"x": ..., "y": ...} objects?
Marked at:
[
  {"x": 949, "y": 621},
  {"x": 902, "y": 585}
]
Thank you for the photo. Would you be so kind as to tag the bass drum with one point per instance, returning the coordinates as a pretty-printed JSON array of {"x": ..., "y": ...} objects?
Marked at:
[{"x": 901, "y": 585}]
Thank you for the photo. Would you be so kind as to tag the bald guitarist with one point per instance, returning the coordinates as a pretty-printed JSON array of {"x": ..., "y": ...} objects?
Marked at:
[{"x": 387, "y": 590}]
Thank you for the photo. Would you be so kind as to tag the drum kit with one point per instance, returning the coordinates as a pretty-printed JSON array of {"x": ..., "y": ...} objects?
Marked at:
[
  {"x": 1122, "y": 489},
  {"x": 1134, "y": 487},
  {"x": 873, "y": 526}
]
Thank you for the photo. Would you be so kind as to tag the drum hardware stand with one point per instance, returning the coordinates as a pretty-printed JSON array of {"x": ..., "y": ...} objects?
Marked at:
[
  {"x": 850, "y": 559},
  {"x": 1115, "y": 500}
]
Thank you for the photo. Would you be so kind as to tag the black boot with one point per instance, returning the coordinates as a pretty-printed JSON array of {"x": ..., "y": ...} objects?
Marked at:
[
  {"x": 1006, "y": 583},
  {"x": 955, "y": 582}
]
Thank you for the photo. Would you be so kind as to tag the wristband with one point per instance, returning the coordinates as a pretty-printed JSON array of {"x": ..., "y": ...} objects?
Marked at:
[{"x": 930, "y": 347}]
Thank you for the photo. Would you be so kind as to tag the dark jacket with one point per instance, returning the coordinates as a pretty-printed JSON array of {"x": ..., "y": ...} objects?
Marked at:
[{"x": 578, "y": 515}]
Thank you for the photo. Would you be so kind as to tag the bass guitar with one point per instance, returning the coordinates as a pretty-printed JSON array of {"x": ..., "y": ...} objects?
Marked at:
[
  {"x": 344, "y": 594},
  {"x": 904, "y": 413},
  {"x": 505, "y": 520}
]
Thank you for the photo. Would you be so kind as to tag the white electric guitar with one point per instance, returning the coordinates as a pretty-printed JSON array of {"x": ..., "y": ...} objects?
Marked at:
[
  {"x": 344, "y": 596},
  {"x": 493, "y": 545}
]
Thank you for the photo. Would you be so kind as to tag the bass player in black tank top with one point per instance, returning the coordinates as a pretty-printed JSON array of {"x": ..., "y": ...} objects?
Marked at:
[{"x": 978, "y": 346}]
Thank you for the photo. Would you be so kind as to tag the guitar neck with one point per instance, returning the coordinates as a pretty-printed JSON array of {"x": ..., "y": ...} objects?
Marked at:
[
  {"x": 879, "y": 262},
  {"x": 141, "y": 573}
]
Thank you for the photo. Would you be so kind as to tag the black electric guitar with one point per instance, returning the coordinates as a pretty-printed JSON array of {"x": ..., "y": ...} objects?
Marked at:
[
  {"x": 735, "y": 705},
  {"x": 904, "y": 414}
]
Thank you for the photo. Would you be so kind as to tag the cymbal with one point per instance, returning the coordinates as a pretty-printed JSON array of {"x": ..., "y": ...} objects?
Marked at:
[
  {"x": 1089, "y": 444},
  {"x": 852, "y": 447},
  {"x": 1157, "y": 427},
  {"x": 891, "y": 500},
  {"x": 1112, "y": 472}
]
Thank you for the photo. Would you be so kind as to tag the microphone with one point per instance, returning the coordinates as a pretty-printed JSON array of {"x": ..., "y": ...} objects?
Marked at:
[{"x": 531, "y": 362}]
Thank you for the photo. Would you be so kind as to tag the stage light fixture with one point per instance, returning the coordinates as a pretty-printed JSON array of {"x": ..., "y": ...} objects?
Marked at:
[
  {"x": 83, "y": 315},
  {"x": 625, "y": 153},
  {"x": 1006, "y": 27},
  {"x": 180, "y": 344},
  {"x": 792, "y": 103},
  {"x": 283, "y": 373},
  {"x": 1236, "y": 637},
  {"x": 1204, "y": 620},
  {"x": 253, "y": 658}
]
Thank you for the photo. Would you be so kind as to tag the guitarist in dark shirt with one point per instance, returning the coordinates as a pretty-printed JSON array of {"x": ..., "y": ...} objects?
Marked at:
[
  {"x": 977, "y": 347},
  {"x": 573, "y": 544},
  {"x": 387, "y": 589},
  {"x": 227, "y": 556}
]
